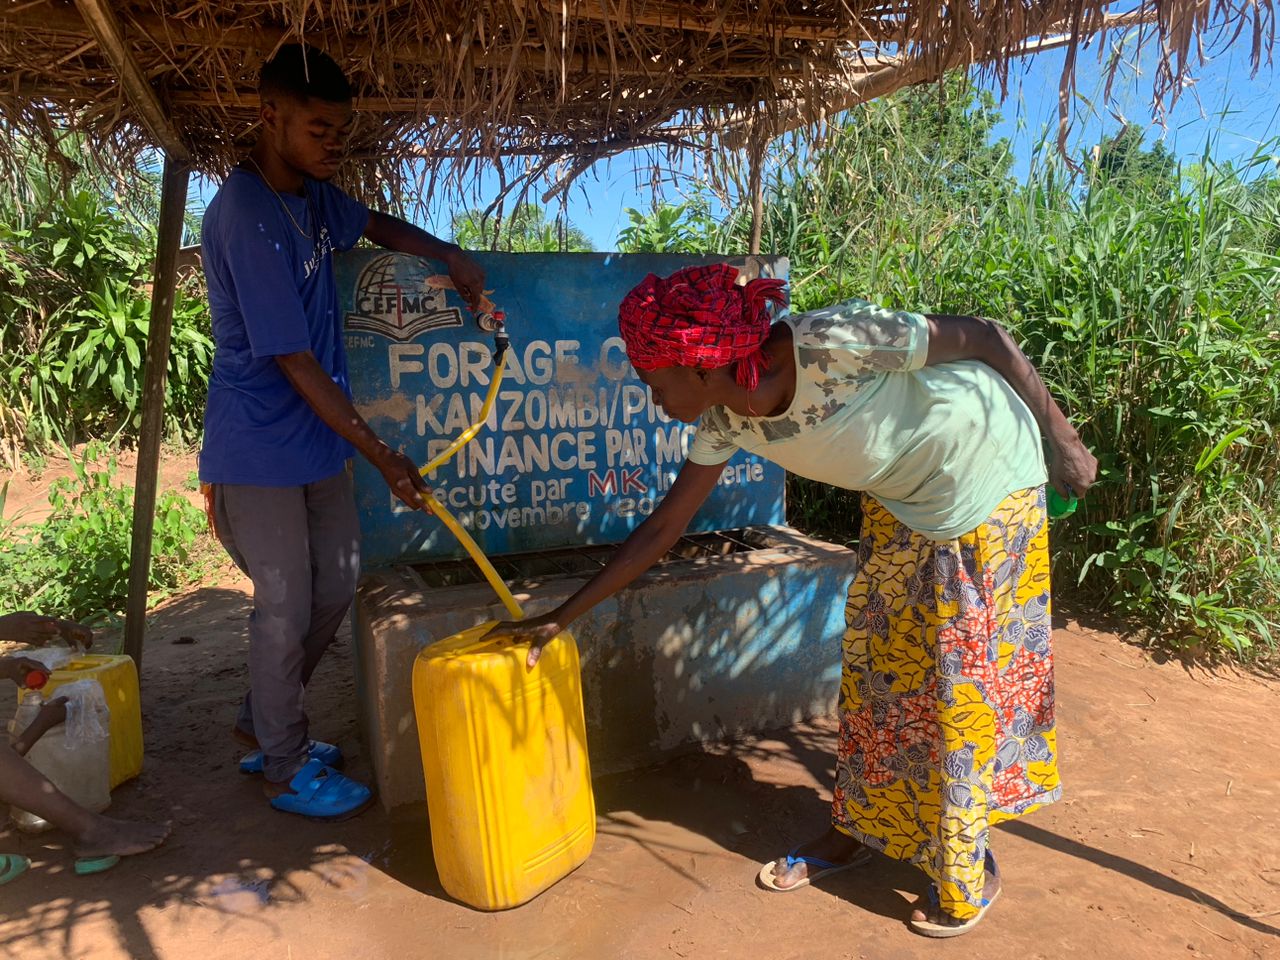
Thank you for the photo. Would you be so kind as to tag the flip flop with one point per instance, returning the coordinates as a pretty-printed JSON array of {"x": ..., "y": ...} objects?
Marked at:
[
  {"x": 322, "y": 793},
  {"x": 89, "y": 865},
  {"x": 768, "y": 875},
  {"x": 326, "y": 753},
  {"x": 12, "y": 866},
  {"x": 938, "y": 931}
]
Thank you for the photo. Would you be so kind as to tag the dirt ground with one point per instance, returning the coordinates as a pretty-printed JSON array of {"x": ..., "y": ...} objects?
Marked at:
[
  {"x": 1164, "y": 847},
  {"x": 27, "y": 497}
]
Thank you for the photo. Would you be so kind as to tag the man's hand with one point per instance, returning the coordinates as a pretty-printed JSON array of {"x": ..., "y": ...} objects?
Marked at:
[
  {"x": 17, "y": 668},
  {"x": 36, "y": 629},
  {"x": 402, "y": 477},
  {"x": 396, "y": 234},
  {"x": 538, "y": 631},
  {"x": 1072, "y": 468},
  {"x": 467, "y": 276}
]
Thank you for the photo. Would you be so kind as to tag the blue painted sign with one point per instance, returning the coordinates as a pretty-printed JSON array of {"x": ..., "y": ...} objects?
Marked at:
[{"x": 574, "y": 452}]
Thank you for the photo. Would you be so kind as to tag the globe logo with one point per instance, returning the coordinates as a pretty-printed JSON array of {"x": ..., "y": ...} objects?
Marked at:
[{"x": 398, "y": 306}]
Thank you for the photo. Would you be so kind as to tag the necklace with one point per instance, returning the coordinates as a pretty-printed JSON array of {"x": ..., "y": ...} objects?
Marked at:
[{"x": 288, "y": 213}]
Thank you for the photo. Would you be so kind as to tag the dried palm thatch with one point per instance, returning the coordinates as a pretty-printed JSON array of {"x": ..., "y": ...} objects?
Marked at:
[{"x": 565, "y": 80}]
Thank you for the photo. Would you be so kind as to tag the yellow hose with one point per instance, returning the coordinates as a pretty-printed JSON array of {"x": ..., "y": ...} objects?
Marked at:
[{"x": 432, "y": 505}]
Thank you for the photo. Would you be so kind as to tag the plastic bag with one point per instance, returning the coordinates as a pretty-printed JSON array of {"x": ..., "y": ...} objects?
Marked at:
[
  {"x": 88, "y": 717},
  {"x": 74, "y": 755},
  {"x": 51, "y": 658}
]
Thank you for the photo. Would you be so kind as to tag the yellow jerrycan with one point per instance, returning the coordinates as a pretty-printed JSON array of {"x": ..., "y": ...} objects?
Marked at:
[
  {"x": 504, "y": 747},
  {"x": 504, "y": 755},
  {"x": 119, "y": 678}
]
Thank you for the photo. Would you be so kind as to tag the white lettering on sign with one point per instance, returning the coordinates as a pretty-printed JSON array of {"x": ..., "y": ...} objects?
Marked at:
[
  {"x": 560, "y": 422},
  {"x": 399, "y": 364},
  {"x": 672, "y": 445},
  {"x": 613, "y": 359}
]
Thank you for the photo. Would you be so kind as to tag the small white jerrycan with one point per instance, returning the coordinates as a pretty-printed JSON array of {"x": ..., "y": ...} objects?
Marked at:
[{"x": 74, "y": 755}]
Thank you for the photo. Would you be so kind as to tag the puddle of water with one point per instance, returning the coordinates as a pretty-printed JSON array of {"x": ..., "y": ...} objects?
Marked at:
[
  {"x": 239, "y": 895},
  {"x": 405, "y": 853}
]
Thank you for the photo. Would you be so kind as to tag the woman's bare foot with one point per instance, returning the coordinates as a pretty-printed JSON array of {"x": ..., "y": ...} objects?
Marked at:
[
  {"x": 990, "y": 887},
  {"x": 122, "y": 838},
  {"x": 833, "y": 846}
]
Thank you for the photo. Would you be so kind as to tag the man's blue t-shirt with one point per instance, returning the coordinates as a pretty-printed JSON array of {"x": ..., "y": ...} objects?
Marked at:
[{"x": 272, "y": 292}]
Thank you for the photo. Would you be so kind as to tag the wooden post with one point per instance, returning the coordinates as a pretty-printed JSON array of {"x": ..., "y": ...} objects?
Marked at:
[
  {"x": 173, "y": 207},
  {"x": 755, "y": 177}
]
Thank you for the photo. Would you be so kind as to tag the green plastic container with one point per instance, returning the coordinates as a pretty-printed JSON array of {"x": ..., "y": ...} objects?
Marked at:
[{"x": 1060, "y": 506}]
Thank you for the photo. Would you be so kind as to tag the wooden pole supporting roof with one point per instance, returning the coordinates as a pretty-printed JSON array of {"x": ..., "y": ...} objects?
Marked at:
[{"x": 173, "y": 208}]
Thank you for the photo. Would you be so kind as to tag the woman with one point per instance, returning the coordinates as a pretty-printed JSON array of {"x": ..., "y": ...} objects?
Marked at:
[{"x": 946, "y": 723}]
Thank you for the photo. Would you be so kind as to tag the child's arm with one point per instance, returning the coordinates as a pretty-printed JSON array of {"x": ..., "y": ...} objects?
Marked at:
[
  {"x": 51, "y": 714},
  {"x": 36, "y": 629},
  {"x": 17, "y": 669}
]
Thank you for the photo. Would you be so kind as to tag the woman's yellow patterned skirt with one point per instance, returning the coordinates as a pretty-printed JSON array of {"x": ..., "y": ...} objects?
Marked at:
[{"x": 946, "y": 720}]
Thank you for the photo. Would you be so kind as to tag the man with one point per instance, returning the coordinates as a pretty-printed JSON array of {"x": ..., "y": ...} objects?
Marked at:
[{"x": 279, "y": 425}]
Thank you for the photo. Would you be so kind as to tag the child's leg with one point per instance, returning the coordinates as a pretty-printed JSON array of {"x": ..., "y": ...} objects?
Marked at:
[{"x": 22, "y": 785}]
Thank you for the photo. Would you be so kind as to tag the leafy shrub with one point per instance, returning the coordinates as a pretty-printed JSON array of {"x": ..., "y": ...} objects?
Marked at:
[{"x": 75, "y": 563}]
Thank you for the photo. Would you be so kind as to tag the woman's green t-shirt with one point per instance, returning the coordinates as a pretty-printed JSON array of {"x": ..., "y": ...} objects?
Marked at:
[{"x": 939, "y": 446}]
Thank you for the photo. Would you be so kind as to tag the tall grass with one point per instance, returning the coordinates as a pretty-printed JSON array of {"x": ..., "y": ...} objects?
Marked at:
[
  {"x": 1154, "y": 318},
  {"x": 1147, "y": 293}
]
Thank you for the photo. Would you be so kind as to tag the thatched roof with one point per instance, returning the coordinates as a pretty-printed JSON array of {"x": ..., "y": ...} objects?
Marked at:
[{"x": 555, "y": 78}]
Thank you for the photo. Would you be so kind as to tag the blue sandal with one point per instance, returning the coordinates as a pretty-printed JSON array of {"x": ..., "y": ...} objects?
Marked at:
[
  {"x": 322, "y": 793},
  {"x": 939, "y": 931},
  {"x": 326, "y": 753},
  {"x": 768, "y": 875}
]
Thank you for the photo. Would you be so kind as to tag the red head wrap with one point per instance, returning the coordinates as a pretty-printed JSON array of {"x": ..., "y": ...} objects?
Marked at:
[{"x": 698, "y": 317}]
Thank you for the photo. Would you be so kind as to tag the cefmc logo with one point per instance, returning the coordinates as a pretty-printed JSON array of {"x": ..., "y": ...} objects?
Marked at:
[{"x": 397, "y": 306}]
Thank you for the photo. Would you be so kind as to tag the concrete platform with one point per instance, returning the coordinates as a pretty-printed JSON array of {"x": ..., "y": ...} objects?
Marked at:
[{"x": 697, "y": 651}]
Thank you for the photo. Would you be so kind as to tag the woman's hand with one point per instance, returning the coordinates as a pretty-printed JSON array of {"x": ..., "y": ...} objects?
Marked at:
[
  {"x": 36, "y": 629},
  {"x": 538, "y": 631},
  {"x": 1072, "y": 468}
]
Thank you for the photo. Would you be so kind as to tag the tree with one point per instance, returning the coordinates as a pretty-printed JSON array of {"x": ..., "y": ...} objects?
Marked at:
[
  {"x": 1121, "y": 161},
  {"x": 671, "y": 228},
  {"x": 527, "y": 230}
]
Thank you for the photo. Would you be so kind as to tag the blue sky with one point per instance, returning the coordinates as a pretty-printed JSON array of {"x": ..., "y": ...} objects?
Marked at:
[{"x": 1224, "y": 108}]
